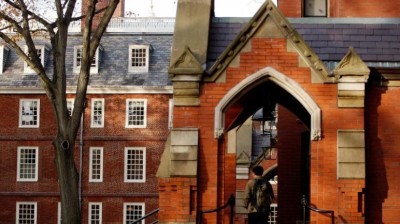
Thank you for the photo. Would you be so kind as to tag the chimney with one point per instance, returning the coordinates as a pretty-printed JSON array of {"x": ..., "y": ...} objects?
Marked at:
[{"x": 119, "y": 11}]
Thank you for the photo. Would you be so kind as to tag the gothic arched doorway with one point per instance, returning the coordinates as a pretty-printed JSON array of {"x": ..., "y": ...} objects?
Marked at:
[{"x": 285, "y": 138}]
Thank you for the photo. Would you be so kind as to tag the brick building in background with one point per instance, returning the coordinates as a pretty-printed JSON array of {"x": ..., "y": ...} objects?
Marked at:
[
  {"x": 333, "y": 77},
  {"x": 124, "y": 126}
]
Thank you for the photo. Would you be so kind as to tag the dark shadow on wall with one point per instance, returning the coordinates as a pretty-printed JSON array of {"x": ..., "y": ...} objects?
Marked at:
[{"x": 376, "y": 190}]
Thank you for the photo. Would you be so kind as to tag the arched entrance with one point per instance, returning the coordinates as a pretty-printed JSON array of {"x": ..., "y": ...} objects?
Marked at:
[
  {"x": 296, "y": 117},
  {"x": 267, "y": 60}
]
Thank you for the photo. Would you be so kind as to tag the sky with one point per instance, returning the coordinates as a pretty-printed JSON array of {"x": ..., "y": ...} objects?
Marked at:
[{"x": 167, "y": 8}]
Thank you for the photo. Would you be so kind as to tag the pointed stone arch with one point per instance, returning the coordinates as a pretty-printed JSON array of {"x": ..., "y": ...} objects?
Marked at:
[{"x": 286, "y": 83}]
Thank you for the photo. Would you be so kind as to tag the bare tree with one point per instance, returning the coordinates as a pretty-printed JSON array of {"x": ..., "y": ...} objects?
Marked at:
[{"x": 21, "y": 16}]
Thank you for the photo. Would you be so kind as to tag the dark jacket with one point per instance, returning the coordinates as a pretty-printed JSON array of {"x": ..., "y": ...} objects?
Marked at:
[{"x": 249, "y": 192}]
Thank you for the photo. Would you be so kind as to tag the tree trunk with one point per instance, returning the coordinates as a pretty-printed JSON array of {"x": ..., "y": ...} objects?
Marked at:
[{"x": 68, "y": 181}]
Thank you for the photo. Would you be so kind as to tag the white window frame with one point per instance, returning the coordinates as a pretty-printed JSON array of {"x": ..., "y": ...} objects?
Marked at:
[
  {"x": 59, "y": 212},
  {"x": 127, "y": 221},
  {"x": 93, "y": 123},
  {"x": 18, "y": 211},
  {"x": 90, "y": 212},
  {"x": 36, "y": 165},
  {"x": 91, "y": 163},
  {"x": 27, "y": 69},
  {"x": 273, "y": 215},
  {"x": 70, "y": 105},
  {"x": 127, "y": 163},
  {"x": 3, "y": 57},
  {"x": 23, "y": 117},
  {"x": 145, "y": 60},
  {"x": 128, "y": 116},
  {"x": 94, "y": 68},
  {"x": 313, "y": 9},
  {"x": 170, "y": 113}
]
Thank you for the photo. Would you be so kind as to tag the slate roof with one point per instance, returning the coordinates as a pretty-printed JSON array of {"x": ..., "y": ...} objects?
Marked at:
[
  {"x": 377, "y": 41},
  {"x": 113, "y": 69}
]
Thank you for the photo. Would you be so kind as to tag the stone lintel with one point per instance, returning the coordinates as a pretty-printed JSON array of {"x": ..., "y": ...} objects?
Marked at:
[{"x": 351, "y": 102}]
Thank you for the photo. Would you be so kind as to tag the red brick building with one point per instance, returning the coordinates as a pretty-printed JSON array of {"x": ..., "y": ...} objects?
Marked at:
[
  {"x": 123, "y": 133},
  {"x": 334, "y": 78},
  {"x": 331, "y": 67}
]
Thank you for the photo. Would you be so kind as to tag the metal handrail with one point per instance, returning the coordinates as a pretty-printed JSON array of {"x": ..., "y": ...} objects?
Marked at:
[
  {"x": 230, "y": 202},
  {"x": 146, "y": 216},
  {"x": 312, "y": 208}
]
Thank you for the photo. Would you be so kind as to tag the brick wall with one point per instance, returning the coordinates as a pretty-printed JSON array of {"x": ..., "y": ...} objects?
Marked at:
[
  {"x": 216, "y": 166},
  {"x": 344, "y": 8},
  {"x": 382, "y": 155},
  {"x": 114, "y": 137}
]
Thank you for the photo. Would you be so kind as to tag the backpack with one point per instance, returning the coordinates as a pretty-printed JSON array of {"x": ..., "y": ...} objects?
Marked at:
[{"x": 261, "y": 196}]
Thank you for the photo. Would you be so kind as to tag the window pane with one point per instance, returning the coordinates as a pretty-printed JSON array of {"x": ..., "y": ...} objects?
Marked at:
[
  {"x": 315, "y": 8},
  {"x": 96, "y": 164},
  {"x": 97, "y": 113},
  {"x": 136, "y": 113},
  {"x": 70, "y": 106},
  {"x": 139, "y": 56},
  {"x": 26, "y": 213},
  {"x": 135, "y": 164},
  {"x": 29, "y": 113},
  {"x": 27, "y": 163},
  {"x": 95, "y": 213},
  {"x": 133, "y": 212},
  {"x": 78, "y": 57}
]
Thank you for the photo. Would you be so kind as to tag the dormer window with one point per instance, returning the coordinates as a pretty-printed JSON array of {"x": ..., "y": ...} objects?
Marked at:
[
  {"x": 315, "y": 8},
  {"x": 138, "y": 58},
  {"x": 3, "y": 57},
  {"x": 42, "y": 52},
  {"x": 94, "y": 66}
]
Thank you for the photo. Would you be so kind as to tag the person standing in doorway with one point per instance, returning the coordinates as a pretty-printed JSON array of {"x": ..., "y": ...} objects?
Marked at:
[{"x": 258, "y": 197}]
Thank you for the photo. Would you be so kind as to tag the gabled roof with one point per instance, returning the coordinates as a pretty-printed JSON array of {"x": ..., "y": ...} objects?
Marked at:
[
  {"x": 278, "y": 26},
  {"x": 376, "y": 40}
]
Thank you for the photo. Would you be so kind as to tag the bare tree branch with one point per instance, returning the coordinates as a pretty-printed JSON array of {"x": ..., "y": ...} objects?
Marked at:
[
  {"x": 33, "y": 15},
  {"x": 70, "y": 10},
  {"x": 25, "y": 57},
  {"x": 12, "y": 22}
]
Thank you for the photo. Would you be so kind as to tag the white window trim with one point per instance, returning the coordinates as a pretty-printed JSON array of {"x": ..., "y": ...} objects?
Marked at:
[
  {"x": 25, "y": 203},
  {"x": 70, "y": 101},
  {"x": 91, "y": 164},
  {"x": 59, "y": 213},
  {"x": 92, "y": 123},
  {"x": 27, "y": 69},
  {"x": 132, "y": 69},
  {"x": 19, "y": 167},
  {"x": 134, "y": 204},
  {"x": 3, "y": 57},
  {"x": 170, "y": 113},
  {"x": 93, "y": 69},
  {"x": 20, "y": 113},
  {"x": 143, "y": 180},
  {"x": 90, "y": 211},
  {"x": 144, "y": 125}
]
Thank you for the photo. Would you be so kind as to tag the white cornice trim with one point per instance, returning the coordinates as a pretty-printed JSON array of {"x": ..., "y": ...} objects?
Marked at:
[{"x": 94, "y": 90}]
